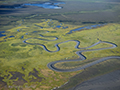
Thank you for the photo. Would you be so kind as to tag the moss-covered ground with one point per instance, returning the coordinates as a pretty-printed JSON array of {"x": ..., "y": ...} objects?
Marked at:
[{"x": 25, "y": 66}]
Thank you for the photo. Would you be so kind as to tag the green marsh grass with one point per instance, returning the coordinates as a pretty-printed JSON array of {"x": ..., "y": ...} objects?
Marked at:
[{"x": 19, "y": 57}]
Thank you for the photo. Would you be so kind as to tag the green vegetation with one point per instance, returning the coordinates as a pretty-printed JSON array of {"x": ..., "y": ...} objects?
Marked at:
[
  {"x": 27, "y": 64},
  {"x": 73, "y": 12}
]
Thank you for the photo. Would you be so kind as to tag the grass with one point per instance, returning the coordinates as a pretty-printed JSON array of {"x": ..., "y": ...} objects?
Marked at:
[
  {"x": 71, "y": 15},
  {"x": 14, "y": 52},
  {"x": 18, "y": 57}
]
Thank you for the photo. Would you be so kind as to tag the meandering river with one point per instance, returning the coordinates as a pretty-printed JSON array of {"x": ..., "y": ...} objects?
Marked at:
[{"x": 51, "y": 65}]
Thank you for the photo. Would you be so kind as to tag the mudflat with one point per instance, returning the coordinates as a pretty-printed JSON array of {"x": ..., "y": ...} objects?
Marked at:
[{"x": 110, "y": 81}]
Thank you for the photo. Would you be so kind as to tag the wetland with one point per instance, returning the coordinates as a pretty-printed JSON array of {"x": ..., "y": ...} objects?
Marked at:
[{"x": 51, "y": 44}]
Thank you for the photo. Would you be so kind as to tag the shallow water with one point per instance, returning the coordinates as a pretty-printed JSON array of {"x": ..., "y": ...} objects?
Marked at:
[
  {"x": 22, "y": 37},
  {"x": 85, "y": 27},
  {"x": 11, "y": 36},
  {"x": 1, "y": 33},
  {"x": 58, "y": 26},
  {"x": 46, "y": 5}
]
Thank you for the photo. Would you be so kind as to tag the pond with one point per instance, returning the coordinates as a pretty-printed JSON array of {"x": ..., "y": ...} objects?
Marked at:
[
  {"x": 46, "y": 5},
  {"x": 1, "y": 33},
  {"x": 11, "y": 36}
]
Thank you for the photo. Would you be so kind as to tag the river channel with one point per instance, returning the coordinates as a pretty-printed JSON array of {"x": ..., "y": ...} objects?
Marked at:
[{"x": 51, "y": 65}]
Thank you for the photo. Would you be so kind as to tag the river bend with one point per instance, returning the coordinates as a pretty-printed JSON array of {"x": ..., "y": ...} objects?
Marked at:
[{"x": 51, "y": 65}]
